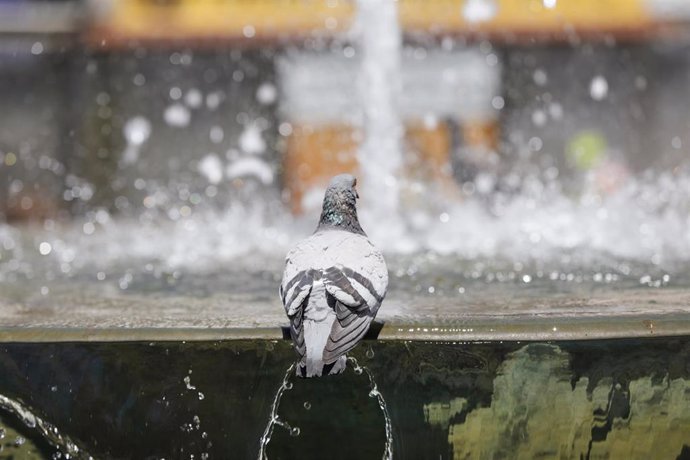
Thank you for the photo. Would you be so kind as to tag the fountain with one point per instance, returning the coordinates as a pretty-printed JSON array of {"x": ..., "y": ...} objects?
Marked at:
[{"x": 155, "y": 262}]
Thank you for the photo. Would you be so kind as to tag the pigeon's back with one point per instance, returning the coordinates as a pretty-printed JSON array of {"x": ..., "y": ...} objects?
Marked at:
[
  {"x": 332, "y": 287},
  {"x": 331, "y": 248}
]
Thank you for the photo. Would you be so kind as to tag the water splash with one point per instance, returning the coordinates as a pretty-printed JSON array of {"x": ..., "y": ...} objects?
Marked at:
[
  {"x": 375, "y": 393},
  {"x": 48, "y": 431},
  {"x": 286, "y": 385},
  {"x": 274, "y": 419}
]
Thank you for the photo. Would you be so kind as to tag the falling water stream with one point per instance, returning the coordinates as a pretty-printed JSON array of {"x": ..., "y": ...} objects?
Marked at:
[
  {"x": 375, "y": 393},
  {"x": 380, "y": 155},
  {"x": 274, "y": 419},
  {"x": 285, "y": 385},
  {"x": 48, "y": 431}
]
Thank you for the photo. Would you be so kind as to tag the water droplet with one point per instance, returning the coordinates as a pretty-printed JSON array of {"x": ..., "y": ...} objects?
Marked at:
[
  {"x": 294, "y": 431},
  {"x": 37, "y": 48},
  {"x": 539, "y": 117},
  {"x": 175, "y": 93},
  {"x": 44, "y": 248},
  {"x": 248, "y": 31},
  {"x": 193, "y": 98},
  {"x": 307, "y": 405},
  {"x": 479, "y": 10},
  {"x": 177, "y": 115},
  {"x": 539, "y": 76},
  {"x": 288, "y": 386},
  {"x": 211, "y": 168},
  {"x": 188, "y": 383},
  {"x": 598, "y": 88},
  {"x": 267, "y": 93}
]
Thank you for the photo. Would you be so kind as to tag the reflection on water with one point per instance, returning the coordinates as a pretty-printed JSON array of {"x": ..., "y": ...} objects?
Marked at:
[
  {"x": 540, "y": 409},
  {"x": 610, "y": 399}
]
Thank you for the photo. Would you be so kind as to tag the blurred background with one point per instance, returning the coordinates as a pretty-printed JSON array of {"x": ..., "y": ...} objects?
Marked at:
[{"x": 185, "y": 130}]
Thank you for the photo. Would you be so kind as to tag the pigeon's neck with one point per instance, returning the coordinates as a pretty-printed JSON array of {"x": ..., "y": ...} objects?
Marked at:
[{"x": 339, "y": 215}]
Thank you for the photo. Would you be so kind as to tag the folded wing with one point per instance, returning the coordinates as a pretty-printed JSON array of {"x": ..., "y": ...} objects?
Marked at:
[
  {"x": 295, "y": 296},
  {"x": 355, "y": 302}
]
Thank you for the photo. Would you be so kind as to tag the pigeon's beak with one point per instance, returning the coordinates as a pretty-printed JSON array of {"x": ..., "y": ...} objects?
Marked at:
[{"x": 356, "y": 194}]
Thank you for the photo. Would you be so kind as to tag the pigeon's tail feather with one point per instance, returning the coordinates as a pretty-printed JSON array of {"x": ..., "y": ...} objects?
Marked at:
[
  {"x": 315, "y": 336},
  {"x": 346, "y": 332}
]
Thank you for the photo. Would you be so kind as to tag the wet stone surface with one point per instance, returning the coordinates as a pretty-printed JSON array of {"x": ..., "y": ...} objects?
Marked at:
[{"x": 233, "y": 305}]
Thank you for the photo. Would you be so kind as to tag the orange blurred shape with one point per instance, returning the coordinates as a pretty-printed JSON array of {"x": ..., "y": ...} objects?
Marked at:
[
  {"x": 316, "y": 153},
  {"x": 480, "y": 134},
  {"x": 427, "y": 150}
]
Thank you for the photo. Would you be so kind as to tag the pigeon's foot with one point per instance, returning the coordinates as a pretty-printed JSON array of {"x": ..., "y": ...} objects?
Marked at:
[
  {"x": 335, "y": 368},
  {"x": 301, "y": 370}
]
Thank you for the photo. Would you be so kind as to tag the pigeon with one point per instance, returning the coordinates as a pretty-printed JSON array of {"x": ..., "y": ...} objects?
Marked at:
[{"x": 333, "y": 284}]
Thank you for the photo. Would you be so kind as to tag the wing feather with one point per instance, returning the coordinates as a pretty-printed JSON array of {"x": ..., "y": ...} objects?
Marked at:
[
  {"x": 296, "y": 290},
  {"x": 297, "y": 331},
  {"x": 295, "y": 297},
  {"x": 356, "y": 305},
  {"x": 340, "y": 287},
  {"x": 346, "y": 332}
]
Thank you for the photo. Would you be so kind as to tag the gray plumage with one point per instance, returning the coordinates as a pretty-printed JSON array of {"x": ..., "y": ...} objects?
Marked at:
[{"x": 333, "y": 284}]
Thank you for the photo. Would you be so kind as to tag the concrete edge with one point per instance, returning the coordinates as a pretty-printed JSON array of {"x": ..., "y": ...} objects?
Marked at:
[{"x": 486, "y": 329}]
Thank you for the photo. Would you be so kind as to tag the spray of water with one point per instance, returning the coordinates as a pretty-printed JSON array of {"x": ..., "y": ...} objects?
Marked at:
[{"x": 48, "y": 431}]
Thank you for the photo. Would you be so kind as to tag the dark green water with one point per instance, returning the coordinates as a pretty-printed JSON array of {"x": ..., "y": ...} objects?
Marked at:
[{"x": 607, "y": 399}]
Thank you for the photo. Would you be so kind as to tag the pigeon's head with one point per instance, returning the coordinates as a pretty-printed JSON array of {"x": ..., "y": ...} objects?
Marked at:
[
  {"x": 344, "y": 187},
  {"x": 340, "y": 205}
]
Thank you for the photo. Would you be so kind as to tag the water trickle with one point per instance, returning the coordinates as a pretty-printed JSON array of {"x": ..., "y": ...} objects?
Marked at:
[
  {"x": 274, "y": 419},
  {"x": 375, "y": 393},
  {"x": 48, "y": 431},
  {"x": 188, "y": 383}
]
